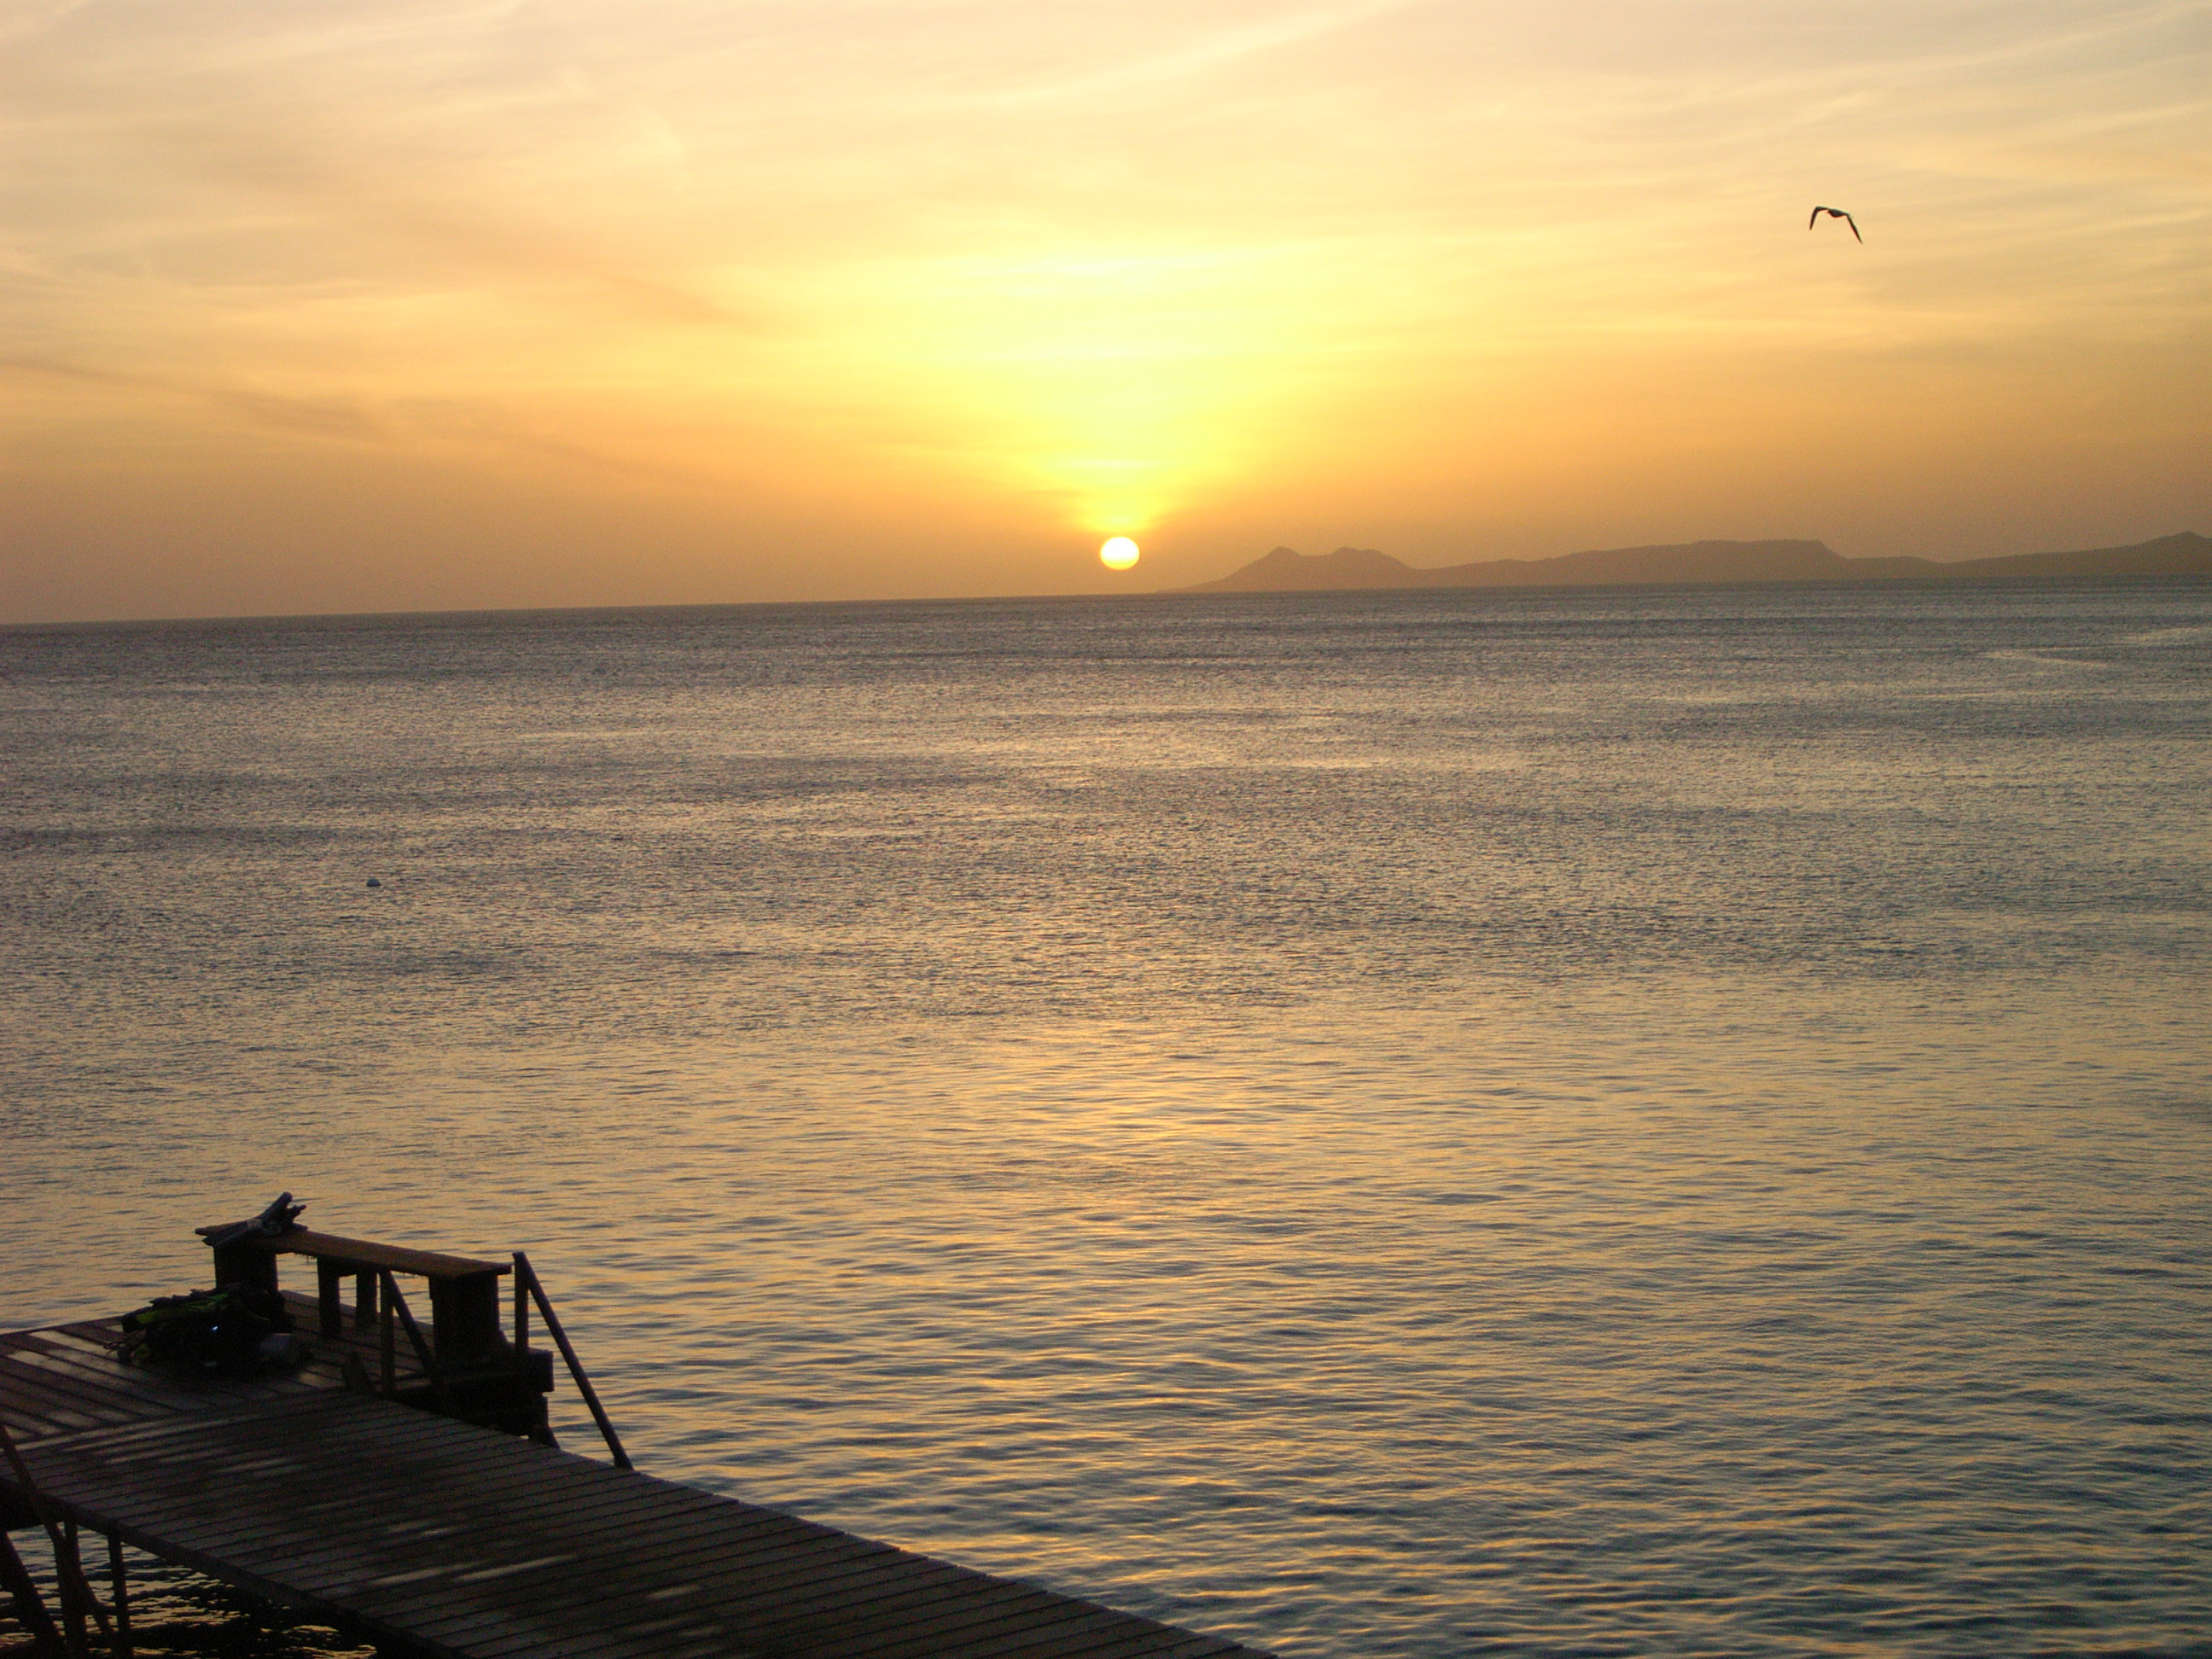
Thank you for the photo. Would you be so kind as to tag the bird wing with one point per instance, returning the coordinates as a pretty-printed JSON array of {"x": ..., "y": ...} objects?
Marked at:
[
  {"x": 1854, "y": 224},
  {"x": 1815, "y": 218}
]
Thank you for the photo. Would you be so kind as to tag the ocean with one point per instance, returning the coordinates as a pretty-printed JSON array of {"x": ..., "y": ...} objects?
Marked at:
[{"x": 1385, "y": 1125}]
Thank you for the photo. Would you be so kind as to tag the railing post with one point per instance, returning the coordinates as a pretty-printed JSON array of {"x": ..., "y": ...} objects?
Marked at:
[
  {"x": 388, "y": 1345},
  {"x": 523, "y": 1271},
  {"x": 541, "y": 1425},
  {"x": 521, "y": 1306}
]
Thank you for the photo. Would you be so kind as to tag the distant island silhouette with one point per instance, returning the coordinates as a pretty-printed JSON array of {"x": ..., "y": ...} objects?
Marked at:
[{"x": 1286, "y": 570}]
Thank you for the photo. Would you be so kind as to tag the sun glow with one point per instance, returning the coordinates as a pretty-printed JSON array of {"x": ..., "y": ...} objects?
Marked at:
[
  {"x": 1108, "y": 392},
  {"x": 1119, "y": 554}
]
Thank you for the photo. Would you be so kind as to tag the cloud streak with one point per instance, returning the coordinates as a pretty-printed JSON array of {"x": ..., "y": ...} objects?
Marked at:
[
  {"x": 1213, "y": 49},
  {"x": 320, "y": 417}
]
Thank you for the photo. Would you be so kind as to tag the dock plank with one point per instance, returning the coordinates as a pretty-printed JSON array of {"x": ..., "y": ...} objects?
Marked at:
[{"x": 57, "y": 1388}]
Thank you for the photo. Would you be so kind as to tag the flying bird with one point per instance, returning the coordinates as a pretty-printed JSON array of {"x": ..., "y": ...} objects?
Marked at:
[{"x": 1835, "y": 213}]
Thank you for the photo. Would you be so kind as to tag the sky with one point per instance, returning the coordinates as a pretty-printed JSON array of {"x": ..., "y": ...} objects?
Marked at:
[{"x": 393, "y": 305}]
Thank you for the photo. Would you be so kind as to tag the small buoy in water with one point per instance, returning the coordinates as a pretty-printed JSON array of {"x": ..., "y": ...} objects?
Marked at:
[{"x": 374, "y": 882}]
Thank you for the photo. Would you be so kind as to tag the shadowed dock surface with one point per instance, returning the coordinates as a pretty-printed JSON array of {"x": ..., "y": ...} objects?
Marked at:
[{"x": 462, "y": 1541}]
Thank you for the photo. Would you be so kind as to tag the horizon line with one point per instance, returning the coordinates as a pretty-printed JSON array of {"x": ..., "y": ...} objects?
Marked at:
[{"x": 1549, "y": 590}]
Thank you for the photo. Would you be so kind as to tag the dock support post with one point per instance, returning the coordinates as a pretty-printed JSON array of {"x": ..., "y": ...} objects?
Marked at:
[
  {"x": 330, "y": 1296},
  {"x": 119, "y": 1590},
  {"x": 69, "y": 1571},
  {"x": 464, "y": 1320},
  {"x": 245, "y": 1261},
  {"x": 30, "y": 1606}
]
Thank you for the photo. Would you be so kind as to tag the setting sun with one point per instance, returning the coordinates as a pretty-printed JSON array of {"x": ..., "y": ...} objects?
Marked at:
[{"x": 1119, "y": 554}]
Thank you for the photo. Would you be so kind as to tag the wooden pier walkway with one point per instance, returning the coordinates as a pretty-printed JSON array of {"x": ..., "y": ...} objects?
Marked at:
[{"x": 443, "y": 1537}]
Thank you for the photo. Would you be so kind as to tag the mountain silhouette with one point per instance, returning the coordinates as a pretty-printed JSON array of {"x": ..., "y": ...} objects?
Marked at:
[{"x": 1285, "y": 571}]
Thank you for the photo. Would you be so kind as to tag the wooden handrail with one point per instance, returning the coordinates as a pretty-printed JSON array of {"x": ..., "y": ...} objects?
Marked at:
[
  {"x": 525, "y": 1274},
  {"x": 362, "y": 1253}
]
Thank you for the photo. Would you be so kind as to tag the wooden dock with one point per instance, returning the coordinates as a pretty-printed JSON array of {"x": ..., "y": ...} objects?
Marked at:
[{"x": 437, "y": 1535}]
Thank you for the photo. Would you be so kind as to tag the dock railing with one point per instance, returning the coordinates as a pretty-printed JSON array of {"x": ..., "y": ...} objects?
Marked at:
[{"x": 471, "y": 1368}]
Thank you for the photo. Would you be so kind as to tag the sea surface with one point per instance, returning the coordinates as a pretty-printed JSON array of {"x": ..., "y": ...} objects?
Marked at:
[{"x": 1390, "y": 1126}]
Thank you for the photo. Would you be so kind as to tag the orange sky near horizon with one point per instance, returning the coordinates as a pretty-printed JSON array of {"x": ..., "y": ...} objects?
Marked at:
[{"x": 390, "y": 305}]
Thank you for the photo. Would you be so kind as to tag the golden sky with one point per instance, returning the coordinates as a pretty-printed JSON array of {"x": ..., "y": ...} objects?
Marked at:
[{"x": 344, "y": 304}]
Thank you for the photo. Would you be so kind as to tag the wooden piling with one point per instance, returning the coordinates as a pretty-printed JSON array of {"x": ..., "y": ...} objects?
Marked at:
[{"x": 119, "y": 1589}]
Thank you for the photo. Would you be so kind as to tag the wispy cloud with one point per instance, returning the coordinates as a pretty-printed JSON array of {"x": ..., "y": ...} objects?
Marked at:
[
  {"x": 323, "y": 417},
  {"x": 1212, "y": 49}
]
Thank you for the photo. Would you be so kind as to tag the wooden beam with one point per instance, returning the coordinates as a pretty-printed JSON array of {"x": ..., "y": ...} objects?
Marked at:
[{"x": 359, "y": 1253}]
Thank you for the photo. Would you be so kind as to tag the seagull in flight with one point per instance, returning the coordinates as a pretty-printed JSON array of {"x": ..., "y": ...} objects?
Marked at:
[{"x": 1835, "y": 213}]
